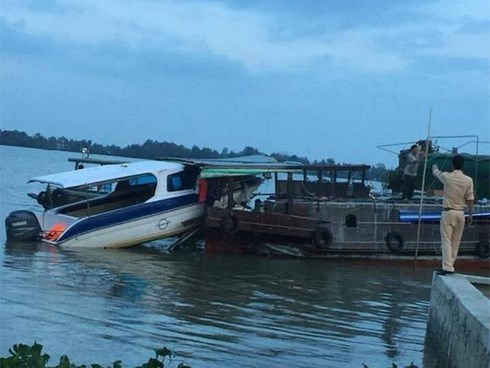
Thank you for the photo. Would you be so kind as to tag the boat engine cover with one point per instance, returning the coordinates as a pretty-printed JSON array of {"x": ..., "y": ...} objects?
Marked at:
[{"x": 22, "y": 225}]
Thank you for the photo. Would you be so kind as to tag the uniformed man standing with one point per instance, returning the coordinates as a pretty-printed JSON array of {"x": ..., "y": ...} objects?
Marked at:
[{"x": 458, "y": 192}]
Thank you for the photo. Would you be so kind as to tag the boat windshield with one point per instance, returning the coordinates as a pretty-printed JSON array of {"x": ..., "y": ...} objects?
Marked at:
[
  {"x": 113, "y": 195},
  {"x": 141, "y": 187},
  {"x": 54, "y": 196}
]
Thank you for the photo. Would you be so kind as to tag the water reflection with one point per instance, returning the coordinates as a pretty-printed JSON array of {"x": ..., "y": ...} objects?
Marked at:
[{"x": 217, "y": 310}]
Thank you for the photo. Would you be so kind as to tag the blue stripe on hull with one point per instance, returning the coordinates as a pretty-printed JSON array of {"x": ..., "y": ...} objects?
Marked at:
[
  {"x": 435, "y": 216},
  {"x": 122, "y": 215}
]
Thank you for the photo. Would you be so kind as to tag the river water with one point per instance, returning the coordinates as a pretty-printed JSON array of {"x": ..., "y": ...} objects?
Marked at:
[{"x": 211, "y": 310}]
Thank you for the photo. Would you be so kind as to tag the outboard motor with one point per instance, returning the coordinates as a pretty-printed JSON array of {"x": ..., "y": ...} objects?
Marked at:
[{"x": 22, "y": 225}]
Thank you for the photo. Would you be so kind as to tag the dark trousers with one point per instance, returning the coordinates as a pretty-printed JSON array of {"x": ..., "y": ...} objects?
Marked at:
[{"x": 408, "y": 186}]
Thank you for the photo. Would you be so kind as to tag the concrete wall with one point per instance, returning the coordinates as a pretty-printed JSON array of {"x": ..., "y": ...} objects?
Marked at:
[{"x": 459, "y": 321}]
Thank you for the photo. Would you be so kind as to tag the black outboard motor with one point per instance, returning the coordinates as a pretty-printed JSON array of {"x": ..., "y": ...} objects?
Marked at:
[{"x": 22, "y": 225}]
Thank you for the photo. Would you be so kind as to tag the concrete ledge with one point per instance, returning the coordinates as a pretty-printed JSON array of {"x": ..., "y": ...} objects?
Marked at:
[{"x": 459, "y": 321}]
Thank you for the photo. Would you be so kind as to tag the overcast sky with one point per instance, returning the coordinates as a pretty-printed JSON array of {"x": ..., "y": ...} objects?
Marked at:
[{"x": 314, "y": 78}]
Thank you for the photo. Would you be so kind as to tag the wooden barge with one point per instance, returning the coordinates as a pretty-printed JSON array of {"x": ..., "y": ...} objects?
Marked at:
[{"x": 329, "y": 211}]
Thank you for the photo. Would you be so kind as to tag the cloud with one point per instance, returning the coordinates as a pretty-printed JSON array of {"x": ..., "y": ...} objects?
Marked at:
[
  {"x": 262, "y": 39},
  {"x": 475, "y": 10},
  {"x": 107, "y": 58},
  {"x": 243, "y": 36},
  {"x": 14, "y": 41},
  {"x": 464, "y": 25}
]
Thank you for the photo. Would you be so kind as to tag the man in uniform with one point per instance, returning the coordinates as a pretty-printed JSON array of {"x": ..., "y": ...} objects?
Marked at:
[{"x": 458, "y": 192}]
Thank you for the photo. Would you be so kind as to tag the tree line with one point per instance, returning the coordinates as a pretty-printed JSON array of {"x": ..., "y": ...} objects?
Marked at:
[{"x": 151, "y": 149}]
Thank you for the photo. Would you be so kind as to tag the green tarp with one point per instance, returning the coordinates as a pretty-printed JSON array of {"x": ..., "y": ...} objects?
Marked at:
[{"x": 478, "y": 167}]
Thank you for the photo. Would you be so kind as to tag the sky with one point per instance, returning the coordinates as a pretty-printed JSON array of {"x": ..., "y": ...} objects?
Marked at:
[{"x": 319, "y": 79}]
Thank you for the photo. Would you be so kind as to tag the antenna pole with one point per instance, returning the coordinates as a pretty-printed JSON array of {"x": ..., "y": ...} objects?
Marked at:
[
  {"x": 423, "y": 187},
  {"x": 476, "y": 166}
]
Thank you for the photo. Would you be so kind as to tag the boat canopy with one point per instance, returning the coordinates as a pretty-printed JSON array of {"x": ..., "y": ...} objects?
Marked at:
[
  {"x": 239, "y": 166},
  {"x": 241, "y": 160},
  {"x": 107, "y": 173},
  {"x": 209, "y": 173}
]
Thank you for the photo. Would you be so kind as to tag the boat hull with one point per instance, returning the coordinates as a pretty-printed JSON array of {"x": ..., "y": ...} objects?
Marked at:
[
  {"x": 126, "y": 234},
  {"x": 346, "y": 229}
]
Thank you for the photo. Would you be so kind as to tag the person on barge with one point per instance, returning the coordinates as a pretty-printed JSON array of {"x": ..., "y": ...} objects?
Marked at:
[{"x": 410, "y": 172}]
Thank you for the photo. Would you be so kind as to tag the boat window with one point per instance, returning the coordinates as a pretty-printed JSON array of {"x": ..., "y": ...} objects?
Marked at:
[
  {"x": 350, "y": 221},
  {"x": 174, "y": 182},
  {"x": 145, "y": 179},
  {"x": 183, "y": 180},
  {"x": 143, "y": 182},
  {"x": 127, "y": 192},
  {"x": 53, "y": 196},
  {"x": 101, "y": 189}
]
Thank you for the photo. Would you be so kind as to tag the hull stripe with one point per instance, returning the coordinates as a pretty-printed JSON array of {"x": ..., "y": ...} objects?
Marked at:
[{"x": 122, "y": 215}]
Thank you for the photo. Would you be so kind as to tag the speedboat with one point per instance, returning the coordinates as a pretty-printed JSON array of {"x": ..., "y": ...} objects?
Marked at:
[{"x": 121, "y": 205}]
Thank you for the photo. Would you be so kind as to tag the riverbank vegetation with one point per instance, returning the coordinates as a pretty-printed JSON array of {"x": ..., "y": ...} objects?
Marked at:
[
  {"x": 25, "y": 356},
  {"x": 153, "y": 149}
]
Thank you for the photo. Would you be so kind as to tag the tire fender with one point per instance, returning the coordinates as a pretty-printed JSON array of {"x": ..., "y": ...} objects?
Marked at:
[
  {"x": 483, "y": 248},
  {"x": 230, "y": 224},
  {"x": 394, "y": 242},
  {"x": 322, "y": 237}
]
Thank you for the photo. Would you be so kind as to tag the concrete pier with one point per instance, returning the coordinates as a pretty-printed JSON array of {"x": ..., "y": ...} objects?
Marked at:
[{"x": 459, "y": 321}]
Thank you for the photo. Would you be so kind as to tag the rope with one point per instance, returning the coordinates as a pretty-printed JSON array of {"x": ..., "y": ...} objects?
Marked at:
[
  {"x": 311, "y": 194},
  {"x": 423, "y": 186}
]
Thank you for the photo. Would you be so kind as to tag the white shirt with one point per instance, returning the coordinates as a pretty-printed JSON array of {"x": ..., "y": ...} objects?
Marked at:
[
  {"x": 458, "y": 188},
  {"x": 412, "y": 165}
]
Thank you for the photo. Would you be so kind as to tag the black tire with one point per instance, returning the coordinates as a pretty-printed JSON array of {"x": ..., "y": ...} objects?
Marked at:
[
  {"x": 230, "y": 224},
  {"x": 322, "y": 238},
  {"x": 394, "y": 242},
  {"x": 483, "y": 249}
]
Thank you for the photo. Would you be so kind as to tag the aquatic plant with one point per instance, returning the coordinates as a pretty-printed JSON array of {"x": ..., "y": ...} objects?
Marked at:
[
  {"x": 393, "y": 365},
  {"x": 25, "y": 356}
]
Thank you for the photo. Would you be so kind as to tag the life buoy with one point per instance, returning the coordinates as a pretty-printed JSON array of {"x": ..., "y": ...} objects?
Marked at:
[
  {"x": 322, "y": 238},
  {"x": 230, "y": 224},
  {"x": 55, "y": 231},
  {"x": 394, "y": 242},
  {"x": 483, "y": 249}
]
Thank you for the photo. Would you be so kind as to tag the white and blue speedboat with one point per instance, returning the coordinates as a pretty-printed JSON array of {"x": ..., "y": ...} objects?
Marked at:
[{"x": 121, "y": 205}]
